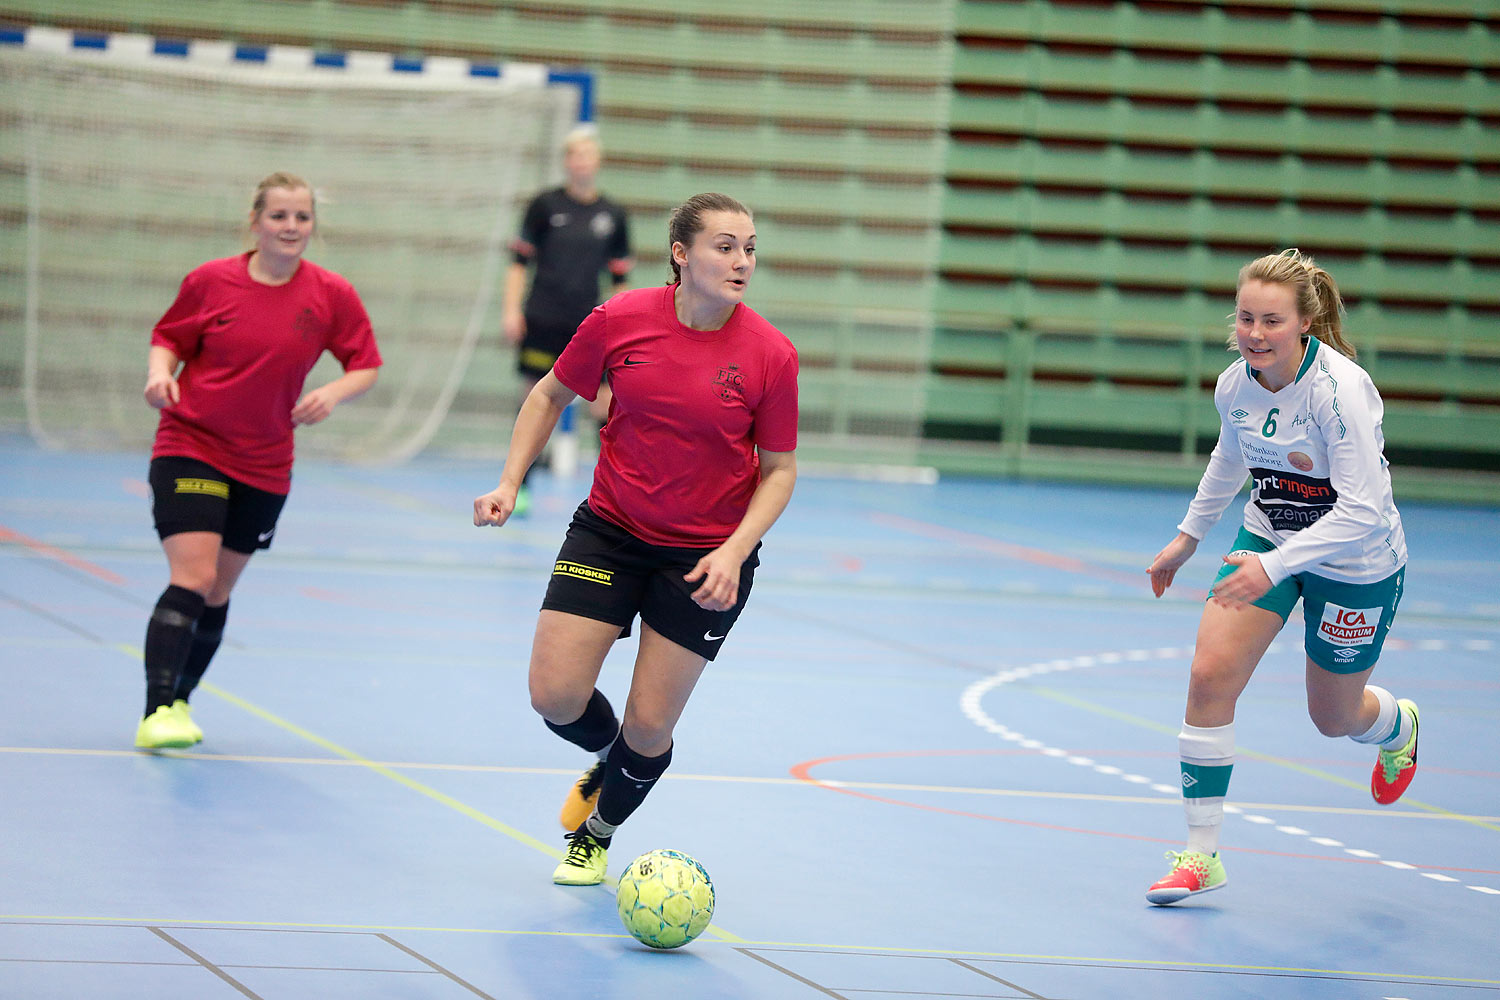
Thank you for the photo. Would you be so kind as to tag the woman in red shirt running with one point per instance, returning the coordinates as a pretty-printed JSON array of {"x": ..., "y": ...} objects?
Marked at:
[
  {"x": 226, "y": 369},
  {"x": 697, "y": 460}
]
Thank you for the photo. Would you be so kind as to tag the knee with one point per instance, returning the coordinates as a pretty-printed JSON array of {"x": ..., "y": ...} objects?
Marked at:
[
  {"x": 556, "y": 703},
  {"x": 217, "y": 592},
  {"x": 1210, "y": 682},
  {"x": 200, "y": 582},
  {"x": 646, "y": 736},
  {"x": 1332, "y": 721}
]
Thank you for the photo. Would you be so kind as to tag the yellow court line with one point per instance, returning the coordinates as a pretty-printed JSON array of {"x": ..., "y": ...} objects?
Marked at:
[
  {"x": 428, "y": 791},
  {"x": 386, "y": 771},
  {"x": 1135, "y": 720},
  {"x": 854, "y": 950},
  {"x": 869, "y": 786}
]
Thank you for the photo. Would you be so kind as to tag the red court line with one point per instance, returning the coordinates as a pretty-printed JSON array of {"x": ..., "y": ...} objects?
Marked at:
[
  {"x": 803, "y": 772},
  {"x": 1023, "y": 553},
  {"x": 62, "y": 556}
]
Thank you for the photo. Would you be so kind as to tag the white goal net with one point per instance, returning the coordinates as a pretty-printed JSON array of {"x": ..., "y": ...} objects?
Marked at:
[{"x": 124, "y": 168}]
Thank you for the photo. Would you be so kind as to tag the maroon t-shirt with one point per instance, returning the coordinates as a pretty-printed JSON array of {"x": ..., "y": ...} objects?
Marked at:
[
  {"x": 246, "y": 350},
  {"x": 677, "y": 455}
]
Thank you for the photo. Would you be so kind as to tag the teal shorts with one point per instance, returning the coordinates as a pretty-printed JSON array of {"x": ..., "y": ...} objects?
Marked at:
[{"x": 1345, "y": 623}]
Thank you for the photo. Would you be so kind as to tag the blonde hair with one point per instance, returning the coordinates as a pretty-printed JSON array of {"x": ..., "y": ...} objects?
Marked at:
[
  {"x": 280, "y": 179},
  {"x": 580, "y": 134},
  {"x": 1313, "y": 288}
]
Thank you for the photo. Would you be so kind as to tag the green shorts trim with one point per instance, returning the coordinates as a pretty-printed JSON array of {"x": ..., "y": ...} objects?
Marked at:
[{"x": 1344, "y": 624}]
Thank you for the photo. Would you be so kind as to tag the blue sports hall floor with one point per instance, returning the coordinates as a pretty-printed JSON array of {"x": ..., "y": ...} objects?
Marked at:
[{"x": 937, "y": 758}]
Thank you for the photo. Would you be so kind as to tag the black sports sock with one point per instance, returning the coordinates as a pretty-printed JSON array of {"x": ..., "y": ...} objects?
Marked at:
[
  {"x": 206, "y": 637},
  {"x": 594, "y": 729},
  {"x": 628, "y": 779},
  {"x": 169, "y": 636}
]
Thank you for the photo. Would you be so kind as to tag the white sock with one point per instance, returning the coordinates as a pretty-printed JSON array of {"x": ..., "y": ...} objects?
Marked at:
[
  {"x": 1387, "y": 724},
  {"x": 1207, "y": 754}
]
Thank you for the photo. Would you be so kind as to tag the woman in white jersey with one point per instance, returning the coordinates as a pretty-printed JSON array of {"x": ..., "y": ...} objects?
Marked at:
[{"x": 1304, "y": 421}]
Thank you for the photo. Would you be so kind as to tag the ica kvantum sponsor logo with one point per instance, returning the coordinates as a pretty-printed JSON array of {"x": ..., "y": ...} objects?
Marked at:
[{"x": 1343, "y": 627}]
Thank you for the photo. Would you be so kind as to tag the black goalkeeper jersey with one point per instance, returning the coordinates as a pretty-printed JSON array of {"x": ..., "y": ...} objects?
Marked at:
[{"x": 570, "y": 244}]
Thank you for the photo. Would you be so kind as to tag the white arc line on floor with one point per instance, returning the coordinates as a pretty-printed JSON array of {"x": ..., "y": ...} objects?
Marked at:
[{"x": 971, "y": 703}]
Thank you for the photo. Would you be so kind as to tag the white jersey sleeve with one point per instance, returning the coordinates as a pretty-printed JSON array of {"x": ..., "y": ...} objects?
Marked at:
[{"x": 1222, "y": 480}]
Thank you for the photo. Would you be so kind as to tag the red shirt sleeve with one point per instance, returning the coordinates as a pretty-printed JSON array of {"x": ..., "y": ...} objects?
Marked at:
[
  {"x": 181, "y": 327},
  {"x": 776, "y": 417},
  {"x": 352, "y": 340},
  {"x": 580, "y": 367}
]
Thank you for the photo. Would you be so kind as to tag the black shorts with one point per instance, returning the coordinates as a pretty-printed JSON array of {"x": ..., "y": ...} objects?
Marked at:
[
  {"x": 605, "y": 573},
  {"x": 542, "y": 345},
  {"x": 189, "y": 495}
]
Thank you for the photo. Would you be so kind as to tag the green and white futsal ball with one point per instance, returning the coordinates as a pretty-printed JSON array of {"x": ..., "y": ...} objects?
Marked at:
[{"x": 665, "y": 899}]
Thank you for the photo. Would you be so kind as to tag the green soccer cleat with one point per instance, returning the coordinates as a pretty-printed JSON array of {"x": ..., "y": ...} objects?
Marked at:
[
  {"x": 1192, "y": 872},
  {"x": 1394, "y": 769},
  {"x": 185, "y": 715},
  {"x": 164, "y": 728},
  {"x": 581, "y": 798},
  {"x": 584, "y": 863}
]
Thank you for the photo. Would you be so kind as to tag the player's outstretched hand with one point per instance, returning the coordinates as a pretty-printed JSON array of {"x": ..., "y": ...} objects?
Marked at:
[
  {"x": 1247, "y": 584},
  {"x": 720, "y": 573},
  {"x": 162, "y": 390},
  {"x": 1168, "y": 561},
  {"x": 495, "y": 507},
  {"x": 315, "y": 407}
]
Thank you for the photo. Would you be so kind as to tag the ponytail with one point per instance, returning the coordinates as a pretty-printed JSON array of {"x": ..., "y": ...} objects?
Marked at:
[{"x": 1316, "y": 293}]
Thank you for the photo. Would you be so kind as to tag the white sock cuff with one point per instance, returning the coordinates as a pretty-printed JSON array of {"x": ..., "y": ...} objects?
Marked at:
[
  {"x": 1212, "y": 745},
  {"x": 1204, "y": 812},
  {"x": 1385, "y": 719}
]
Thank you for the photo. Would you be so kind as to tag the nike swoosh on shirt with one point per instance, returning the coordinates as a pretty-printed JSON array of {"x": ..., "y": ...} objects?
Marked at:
[
  {"x": 266, "y": 536},
  {"x": 631, "y": 361},
  {"x": 710, "y": 637}
]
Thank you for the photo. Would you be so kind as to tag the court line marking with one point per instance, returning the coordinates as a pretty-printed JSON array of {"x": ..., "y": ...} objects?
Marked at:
[
  {"x": 1409, "y": 803},
  {"x": 442, "y": 798},
  {"x": 800, "y": 946},
  {"x": 48, "y": 551},
  {"x": 1020, "y": 552},
  {"x": 381, "y": 769},
  {"x": 1140, "y": 965},
  {"x": 133, "y": 652},
  {"x": 1357, "y": 857},
  {"x": 429, "y": 962},
  {"x": 205, "y": 963},
  {"x": 892, "y": 786},
  {"x": 970, "y": 704}
]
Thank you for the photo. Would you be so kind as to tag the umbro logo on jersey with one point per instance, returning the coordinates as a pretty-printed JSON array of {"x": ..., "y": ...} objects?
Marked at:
[
  {"x": 634, "y": 361},
  {"x": 1188, "y": 781},
  {"x": 1240, "y": 414}
]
